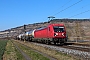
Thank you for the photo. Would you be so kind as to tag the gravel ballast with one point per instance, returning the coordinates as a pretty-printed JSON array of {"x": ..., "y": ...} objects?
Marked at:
[{"x": 82, "y": 55}]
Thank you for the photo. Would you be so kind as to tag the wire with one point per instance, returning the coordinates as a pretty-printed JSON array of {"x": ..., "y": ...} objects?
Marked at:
[
  {"x": 68, "y": 7},
  {"x": 78, "y": 9},
  {"x": 80, "y": 13},
  {"x": 67, "y": 3},
  {"x": 62, "y": 6}
]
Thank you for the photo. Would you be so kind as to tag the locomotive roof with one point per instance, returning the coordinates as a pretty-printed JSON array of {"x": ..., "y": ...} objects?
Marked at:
[
  {"x": 57, "y": 24},
  {"x": 41, "y": 28},
  {"x": 49, "y": 25}
]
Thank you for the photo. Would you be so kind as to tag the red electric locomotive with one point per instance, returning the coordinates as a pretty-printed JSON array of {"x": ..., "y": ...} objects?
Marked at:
[{"x": 53, "y": 33}]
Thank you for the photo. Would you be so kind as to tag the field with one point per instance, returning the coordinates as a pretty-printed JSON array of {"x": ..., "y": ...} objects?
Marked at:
[
  {"x": 13, "y": 53},
  {"x": 32, "y": 51},
  {"x": 2, "y": 47},
  {"x": 9, "y": 51},
  {"x": 52, "y": 53}
]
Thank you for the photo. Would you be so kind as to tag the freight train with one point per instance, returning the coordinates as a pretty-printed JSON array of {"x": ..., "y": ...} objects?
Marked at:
[{"x": 53, "y": 33}]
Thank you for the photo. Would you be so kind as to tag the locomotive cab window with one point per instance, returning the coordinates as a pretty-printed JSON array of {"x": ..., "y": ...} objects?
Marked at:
[{"x": 58, "y": 29}]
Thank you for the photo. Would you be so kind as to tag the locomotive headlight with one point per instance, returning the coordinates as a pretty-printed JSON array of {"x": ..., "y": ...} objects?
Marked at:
[
  {"x": 55, "y": 34},
  {"x": 62, "y": 34}
]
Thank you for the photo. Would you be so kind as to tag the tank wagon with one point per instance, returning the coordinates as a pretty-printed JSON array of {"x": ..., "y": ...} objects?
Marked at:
[
  {"x": 53, "y": 33},
  {"x": 29, "y": 35},
  {"x": 20, "y": 37}
]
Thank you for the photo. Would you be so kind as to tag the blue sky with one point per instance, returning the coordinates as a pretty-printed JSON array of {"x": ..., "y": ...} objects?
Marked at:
[{"x": 14, "y": 13}]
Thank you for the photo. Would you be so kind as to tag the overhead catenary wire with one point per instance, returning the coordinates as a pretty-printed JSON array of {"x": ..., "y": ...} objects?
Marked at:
[
  {"x": 79, "y": 13},
  {"x": 78, "y": 9},
  {"x": 67, "y": 7},
  {"x": 60, "y": 7},
  {"x": 66, "y": 3},
  {"x": 63, "y": 5},
  {"x": 70, "y": 7}
]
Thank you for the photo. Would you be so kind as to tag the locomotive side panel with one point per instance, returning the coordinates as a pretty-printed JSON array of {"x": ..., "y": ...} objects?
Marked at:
[
  {"x": 50, "y": 31},
  {"x": 41, "y": 33}
]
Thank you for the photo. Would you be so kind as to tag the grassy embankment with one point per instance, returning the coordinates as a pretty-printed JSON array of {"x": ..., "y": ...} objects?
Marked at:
[
  {"x": 11, "y": 53},
  {"x": 50, "y": 52},
  {"x": 33, "y": 55},
  {"x": 2, "y": 47}
]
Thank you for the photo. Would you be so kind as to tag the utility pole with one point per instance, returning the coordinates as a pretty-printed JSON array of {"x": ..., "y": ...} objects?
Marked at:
[
  {"x": 8, "y": 34},
  {"x": 77, "y": 31},
  {"x": 24, "y": 32}
]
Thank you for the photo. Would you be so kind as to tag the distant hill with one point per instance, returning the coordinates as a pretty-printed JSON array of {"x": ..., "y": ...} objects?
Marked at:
[{"x": 75, "y": 28}]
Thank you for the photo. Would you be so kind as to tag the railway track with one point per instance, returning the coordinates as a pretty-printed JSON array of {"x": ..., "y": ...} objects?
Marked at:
[
  {"x": 80, "y": 51},
  {"x": 77, "y": 46},
  {"x": 84, "y": 49},
  {"x": 47, "y": 52},
  {"x": 74, "y": 46}
]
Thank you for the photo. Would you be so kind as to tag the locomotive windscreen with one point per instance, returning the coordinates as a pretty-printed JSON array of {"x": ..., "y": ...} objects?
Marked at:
[{"x": 58, "y": 29}]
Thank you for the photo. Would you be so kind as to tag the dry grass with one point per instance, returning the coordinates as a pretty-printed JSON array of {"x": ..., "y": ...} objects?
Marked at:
[
  {"x": 52, "y": 53},
  {"x": 11, "y": 52},
  {"x": 32, "y": 54}
]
